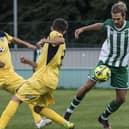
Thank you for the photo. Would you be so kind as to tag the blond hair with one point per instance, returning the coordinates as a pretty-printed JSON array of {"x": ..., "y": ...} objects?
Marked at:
[{"x": 119, "y": 7}]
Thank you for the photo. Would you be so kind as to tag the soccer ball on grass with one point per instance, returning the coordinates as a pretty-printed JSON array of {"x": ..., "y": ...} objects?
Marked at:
[{"x": 102, "y": 73}]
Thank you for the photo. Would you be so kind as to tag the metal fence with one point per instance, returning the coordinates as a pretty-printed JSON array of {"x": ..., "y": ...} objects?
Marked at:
[{"x": 33, "y": 31}]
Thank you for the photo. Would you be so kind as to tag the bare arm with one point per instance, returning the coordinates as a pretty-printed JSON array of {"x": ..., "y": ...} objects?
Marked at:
[
  {"x": 56, "y": 41},
  {"x": 19, "y": 41},
  {"x": 96, "y": 26},
  {"x": 29, "y": 62}
]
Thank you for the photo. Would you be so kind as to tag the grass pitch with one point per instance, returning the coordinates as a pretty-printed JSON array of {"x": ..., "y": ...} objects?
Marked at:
[{"x": 84, "y": 117}]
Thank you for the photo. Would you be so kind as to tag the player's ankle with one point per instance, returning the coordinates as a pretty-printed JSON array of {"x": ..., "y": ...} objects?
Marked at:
[{"x": 67, "y": 115}]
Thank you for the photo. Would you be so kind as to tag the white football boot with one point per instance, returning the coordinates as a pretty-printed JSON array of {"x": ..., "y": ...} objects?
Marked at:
[{"x": 43, "y": 122}]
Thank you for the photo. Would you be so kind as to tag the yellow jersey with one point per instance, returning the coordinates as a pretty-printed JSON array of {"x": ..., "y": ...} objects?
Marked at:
[
  {"x": 50, "y": 62},
  {"x": 5, "y": 57}
]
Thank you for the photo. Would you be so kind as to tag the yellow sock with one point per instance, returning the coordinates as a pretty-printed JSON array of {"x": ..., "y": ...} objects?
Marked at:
[
  {"x": 53, "y": 116},
  {"x": 35, "y": 115},
  {"x": 8, "y": 113}
]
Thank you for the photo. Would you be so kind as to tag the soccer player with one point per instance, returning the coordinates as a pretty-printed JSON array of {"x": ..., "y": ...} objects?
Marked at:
[
  {"x": 9, "y": 79},
  {"x": 115, "y": 54},
  {"x": 35, "y": 66},
  {"x": 38, "y": 90}
]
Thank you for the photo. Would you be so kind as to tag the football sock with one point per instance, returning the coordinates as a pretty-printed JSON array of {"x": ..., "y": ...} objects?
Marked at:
[
  {"x": 35, "y": 115},
  {"x": 8, "y": 113},
  {"x": 49, "y": 113},
  {"x": 75, "y": 102},
  {"x": 112, "y": 107}
]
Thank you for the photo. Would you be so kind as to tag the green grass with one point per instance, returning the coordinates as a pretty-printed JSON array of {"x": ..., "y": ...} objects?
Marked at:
[{"x": 84, "y": 117}]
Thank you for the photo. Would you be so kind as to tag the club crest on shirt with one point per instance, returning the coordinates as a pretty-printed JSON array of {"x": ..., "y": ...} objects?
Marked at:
[
  {"x": 1, "y": 38},
  {"x": 1, "y": 49}
]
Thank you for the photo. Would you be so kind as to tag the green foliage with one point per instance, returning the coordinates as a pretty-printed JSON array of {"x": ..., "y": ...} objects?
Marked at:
[{"x": 35, "y": 16}]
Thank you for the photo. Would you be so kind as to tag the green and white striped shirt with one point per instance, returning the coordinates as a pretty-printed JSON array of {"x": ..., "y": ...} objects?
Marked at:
[{"x": 115, "y": 50}]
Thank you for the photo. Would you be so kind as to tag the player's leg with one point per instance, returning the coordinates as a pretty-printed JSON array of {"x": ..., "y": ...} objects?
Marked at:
[
  {"x": 78, "y": 98},
  {"x": 39, "y": 121},
  {"x": 14, "y": 83},
  {"x": 8, "y": 114},
  {"x": 51, "y": 114},
  {"x": 112, "y": 107},
  {"x": 119, "y": 80}
]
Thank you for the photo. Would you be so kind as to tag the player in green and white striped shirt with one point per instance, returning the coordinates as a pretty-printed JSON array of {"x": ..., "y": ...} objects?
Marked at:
[
  {"x": 114, "y": 54},
  {"x": 117, "y": 44}
]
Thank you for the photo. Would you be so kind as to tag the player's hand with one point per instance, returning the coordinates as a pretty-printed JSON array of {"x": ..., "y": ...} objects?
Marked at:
[
  {"x": 24, "y": 60},
  {"x": 77, "y": 33},
  {"x": 32, "y": 46},
  {"x": 41, "y": 42},
  {"x": 2, "y": 64},
  {"x": 38, "y": 45}
]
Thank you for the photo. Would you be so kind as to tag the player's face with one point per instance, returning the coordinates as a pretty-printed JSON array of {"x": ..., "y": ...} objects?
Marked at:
[{"x": 118, "y": 19}]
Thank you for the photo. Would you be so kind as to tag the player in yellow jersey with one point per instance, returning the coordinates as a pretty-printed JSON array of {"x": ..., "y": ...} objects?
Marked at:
[
  {"x": 9, "y": 79},
  {"x": 35, "y": 65},
  {"x": 38, "y": 90}
]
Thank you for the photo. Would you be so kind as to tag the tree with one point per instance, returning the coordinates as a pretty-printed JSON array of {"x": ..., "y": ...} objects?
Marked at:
[{"x": 35, "y": 17}]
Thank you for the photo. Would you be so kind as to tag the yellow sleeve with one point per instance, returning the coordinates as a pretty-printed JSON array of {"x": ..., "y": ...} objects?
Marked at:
[
  {"x": 9, "y": 37},
  {"x": 55, "y": 34}
]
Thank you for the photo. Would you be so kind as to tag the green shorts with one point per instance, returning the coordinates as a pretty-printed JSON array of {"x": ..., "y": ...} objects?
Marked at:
[{"x": 119, "y": 77}]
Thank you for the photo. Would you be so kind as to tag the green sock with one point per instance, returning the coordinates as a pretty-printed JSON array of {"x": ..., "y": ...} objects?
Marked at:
[{"x": 112, "y": 107}]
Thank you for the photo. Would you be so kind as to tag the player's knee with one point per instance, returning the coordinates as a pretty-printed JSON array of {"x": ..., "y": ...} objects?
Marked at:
[
  {"x": 37, "y": 109},
  {"x": 88, "y": 85},
  {"x": 16, "y": 99}
]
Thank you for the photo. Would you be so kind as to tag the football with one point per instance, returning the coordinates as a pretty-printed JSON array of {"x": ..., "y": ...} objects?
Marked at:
[{"x": 102, "y": 73}]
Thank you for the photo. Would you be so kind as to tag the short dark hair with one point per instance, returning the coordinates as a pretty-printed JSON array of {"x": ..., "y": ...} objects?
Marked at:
[
  {"x": 119, "y": 7},
  {"x": 60, "y": 24}
]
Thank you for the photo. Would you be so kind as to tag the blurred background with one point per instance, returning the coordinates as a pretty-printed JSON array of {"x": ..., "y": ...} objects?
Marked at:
[{"x": 30, "y": 20}]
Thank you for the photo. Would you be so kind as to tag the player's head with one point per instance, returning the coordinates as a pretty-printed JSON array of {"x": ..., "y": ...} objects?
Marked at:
[
  {"x": 60, "y": 25},
  {"x": 118, "y": 13}
]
